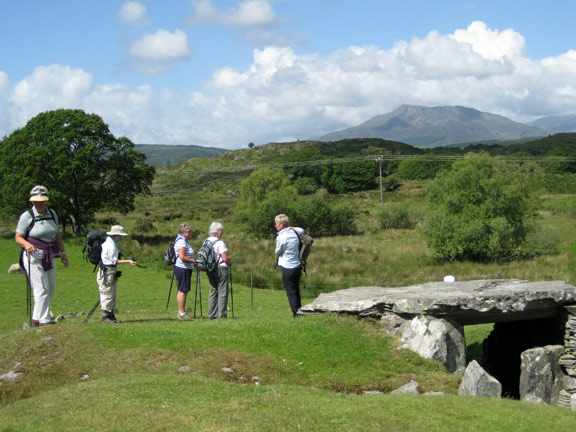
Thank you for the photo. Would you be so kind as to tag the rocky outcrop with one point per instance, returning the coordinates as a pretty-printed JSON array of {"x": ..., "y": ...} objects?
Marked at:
[{"x": 468, "y": 302}]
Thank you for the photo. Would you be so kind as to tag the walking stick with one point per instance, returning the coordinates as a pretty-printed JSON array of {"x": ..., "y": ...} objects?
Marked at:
[
  {"x": 198, "y": 293},
  {"x": 92, "y": 311},
  {"x": 170, "y": 292},
  {"x": 29, "y": 293},
  {"x": 231, "y": 292}
]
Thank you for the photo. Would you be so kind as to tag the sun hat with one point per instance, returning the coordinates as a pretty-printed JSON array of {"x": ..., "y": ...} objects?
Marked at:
[
  {"x": 116, "y": 230},
  {"x": 39, "y": 193}
]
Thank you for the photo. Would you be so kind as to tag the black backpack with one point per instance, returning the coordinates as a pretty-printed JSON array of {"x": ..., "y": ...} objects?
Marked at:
[
  {"x": 93, "y": 247},
  {"x": 170, "y": 255},
  {"x": 48, "y": 216},
  {"x": 304, "y": 244},
  {"x": 206, "y": 258}
]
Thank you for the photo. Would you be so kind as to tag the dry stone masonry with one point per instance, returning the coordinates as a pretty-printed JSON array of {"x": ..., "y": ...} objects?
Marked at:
[{"x": 529, "y": 355}]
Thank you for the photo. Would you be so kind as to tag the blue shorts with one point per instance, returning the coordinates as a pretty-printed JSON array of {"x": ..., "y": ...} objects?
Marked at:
[{"x": 184, "y": 278}]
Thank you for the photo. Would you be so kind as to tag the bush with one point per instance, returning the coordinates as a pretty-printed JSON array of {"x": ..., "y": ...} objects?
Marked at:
[
  {"x": 479, "y": 210},
  {"x": 396, "y": 216}
]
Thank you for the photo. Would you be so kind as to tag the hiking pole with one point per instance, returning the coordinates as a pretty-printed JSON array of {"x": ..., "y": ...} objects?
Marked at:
[
  {"x": 170, "y": 291},
  {"x": 29, "y": 293},
  {"x": 200, "y": 292},
  {"x": 231, "y": 292},
  {"x": 196, "y": 292},
  {"x": 92, "y": 311}
]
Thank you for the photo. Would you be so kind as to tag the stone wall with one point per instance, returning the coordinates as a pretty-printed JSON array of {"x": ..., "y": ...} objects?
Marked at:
[{"x": 567, "y": 396}]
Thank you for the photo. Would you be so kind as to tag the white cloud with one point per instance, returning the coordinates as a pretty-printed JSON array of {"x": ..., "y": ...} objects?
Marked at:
[
  {"x": 162, "y": 46},
  {"x": 249, "y": 13},
  {"x": 132, "y": 11},
  {"x": 4, "y": 83},
  {"x": 285, "y": 95}
]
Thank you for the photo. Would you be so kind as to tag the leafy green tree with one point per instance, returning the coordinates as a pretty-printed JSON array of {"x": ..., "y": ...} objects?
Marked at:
[
  {"x": 268, "y": 192},
  {"x": 420, "y": 167},
  {"x": 261, "y": 183},
  {"x": 479, "y": 210},
  {"x": 349, "y": 177},
  {"x": 560, "y": 160},
  {"x": 74, "y": 154}
]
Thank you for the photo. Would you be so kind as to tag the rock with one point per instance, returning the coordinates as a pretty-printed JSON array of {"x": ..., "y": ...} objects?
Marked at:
[
  {"x": 409, "y": 388},
  {"x": 466, "y": 302},
  {"x": 437, "y": 339},
  {"x": 14, "y": 269},
  {"x": 476, "y": 382},
  {"x": 541, "y": 378},
  {"x": 10, "y": 376},
  {"x": 227, "y": 370},
  {"x": 394, "y": 324},
  {"x": 372, "y": 392},
  {"x": 184, "y": 369}
]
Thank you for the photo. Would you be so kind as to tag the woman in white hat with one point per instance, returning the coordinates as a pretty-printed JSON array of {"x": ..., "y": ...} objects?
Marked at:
[
  {"x": 107, "y": 276},
  {"x": 38, "y": 233}
]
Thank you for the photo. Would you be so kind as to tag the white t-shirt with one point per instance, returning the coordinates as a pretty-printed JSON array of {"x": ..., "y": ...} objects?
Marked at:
[{"x": 219, "y": 248}]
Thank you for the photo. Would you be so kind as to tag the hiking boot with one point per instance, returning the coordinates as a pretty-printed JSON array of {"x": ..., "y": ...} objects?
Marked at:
[
  {"x": 35, "y": 323},
  {"x": 184, "y": 316},
  {"x": 109, "y": 318}
]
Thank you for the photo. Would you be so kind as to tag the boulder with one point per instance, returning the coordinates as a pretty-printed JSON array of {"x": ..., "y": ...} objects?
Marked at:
[
  {"x": 477, "y": 382},
  {"x": 466, "y": 302},
  {"x": 541, "y": 378},
  {"x": 437, "y": 339}
]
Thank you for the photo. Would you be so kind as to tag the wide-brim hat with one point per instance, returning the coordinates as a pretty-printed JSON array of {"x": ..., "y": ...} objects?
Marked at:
[
  {"x": 116, "y": 230},
  {"x": 39, "y": 193}
]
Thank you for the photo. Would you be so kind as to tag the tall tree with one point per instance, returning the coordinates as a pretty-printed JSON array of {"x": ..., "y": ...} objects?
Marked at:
[{"x": 84, "y": 167}]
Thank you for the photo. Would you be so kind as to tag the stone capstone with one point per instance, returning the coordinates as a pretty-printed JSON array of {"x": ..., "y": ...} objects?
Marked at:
[
  {"x": 466, "y": 302},
  {"x": 477, "y": 382}
]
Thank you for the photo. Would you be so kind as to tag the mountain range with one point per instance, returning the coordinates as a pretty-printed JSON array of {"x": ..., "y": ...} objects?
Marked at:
[{"x": 426, "y": 127}]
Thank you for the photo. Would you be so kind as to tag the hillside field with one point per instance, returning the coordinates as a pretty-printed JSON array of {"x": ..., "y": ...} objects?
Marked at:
[{"x": 153, "y": 372}]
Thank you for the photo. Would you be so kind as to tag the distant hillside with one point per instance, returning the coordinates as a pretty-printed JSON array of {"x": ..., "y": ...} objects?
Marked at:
[
  {"x": 427, "y": 127},
  {"x": 158, "y": 155},
  {"x": 566, "y": 123}
]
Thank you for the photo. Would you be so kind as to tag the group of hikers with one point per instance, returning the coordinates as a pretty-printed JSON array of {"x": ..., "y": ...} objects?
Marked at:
[{"x": 38, "y": 234}]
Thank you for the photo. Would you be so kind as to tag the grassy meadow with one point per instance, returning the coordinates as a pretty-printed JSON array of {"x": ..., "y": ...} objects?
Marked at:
[{"x": 154, "y": 372}]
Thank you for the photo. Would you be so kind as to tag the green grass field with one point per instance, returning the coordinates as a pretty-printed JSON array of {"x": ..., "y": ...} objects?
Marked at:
[
  {"x": 156, "y": 373},
  {"x": 285, "y": 374}
]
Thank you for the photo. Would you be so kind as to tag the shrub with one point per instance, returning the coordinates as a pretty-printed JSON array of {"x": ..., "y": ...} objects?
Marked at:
[
  {"x": 479, "y": 210},
  {"x": 396, "y": 216}
]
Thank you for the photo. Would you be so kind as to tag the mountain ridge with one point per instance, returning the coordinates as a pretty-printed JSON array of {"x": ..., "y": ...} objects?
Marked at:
[{"x": 427, "y": 127}]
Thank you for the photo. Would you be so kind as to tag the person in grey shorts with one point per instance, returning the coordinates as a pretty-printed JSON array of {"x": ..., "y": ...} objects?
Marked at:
[
  {"x": 218, "y": 279},
  {"x": 38, "y": 234}
]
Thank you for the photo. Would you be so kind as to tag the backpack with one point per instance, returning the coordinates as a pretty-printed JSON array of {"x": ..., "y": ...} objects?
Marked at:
[
  {"x": 93, "y": 247},
  {"x": 304, "y": 244},
  {"x": 206, "y": 258},
  {"x": 170, "y": 255},
  {"x": 50, "y": 216}
]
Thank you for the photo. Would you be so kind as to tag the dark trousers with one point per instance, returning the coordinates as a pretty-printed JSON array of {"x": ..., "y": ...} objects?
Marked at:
[{"x": 291, "y": 280}]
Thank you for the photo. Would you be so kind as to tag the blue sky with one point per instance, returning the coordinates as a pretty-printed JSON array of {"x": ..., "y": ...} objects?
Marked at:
[{"x": 227, "y": 73}]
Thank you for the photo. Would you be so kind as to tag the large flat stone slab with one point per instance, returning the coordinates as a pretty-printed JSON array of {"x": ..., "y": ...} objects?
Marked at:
[{"x": 468, "y": 302}]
